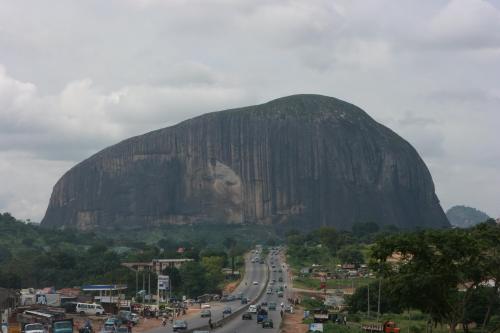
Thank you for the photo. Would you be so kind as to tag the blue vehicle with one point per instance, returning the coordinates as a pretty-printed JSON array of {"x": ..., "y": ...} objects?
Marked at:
[{"x": 261, "y": 316}]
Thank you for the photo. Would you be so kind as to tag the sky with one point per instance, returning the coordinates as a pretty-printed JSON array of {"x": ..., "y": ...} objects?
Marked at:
[{"x": 78, "y": 76}]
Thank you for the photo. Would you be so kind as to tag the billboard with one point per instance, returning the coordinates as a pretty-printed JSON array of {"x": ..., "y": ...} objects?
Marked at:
[
  {"x": 315, "y": 327},
  {"x": 163, "y": 282}
]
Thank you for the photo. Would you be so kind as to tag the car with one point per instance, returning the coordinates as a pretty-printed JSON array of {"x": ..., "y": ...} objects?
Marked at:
[
  {"x": 224, "y": 298},
  {"x": 239, "y": 296},
  {"x": 261, "y": 316},
  {"x": 205, "y": 306},
  {"x": 269, "y": 291},
  {"x": 268, "y": 323},
  {"x": 227, "y": 310},
  {"x": 255, "y": 283},
  {"x": 280, "y": 294},
  {"x": 122, "y": 329},
  {"x": 252, "y": 308},
  {"x": 271, "y": 282},
  {"x": 246, "y": 316},
  {"x": 231, "y": 298},
  {"x": 34, "y": 328},
  {"x": 113, "y": 321},
  {"x": 180, "y": 325},
  {"x": 280, "y": 279},
  {"x": 263, "y": 303},
  {"x": 244, "y": 300},
  {"x": 89, "y": 309},
  {"x": 205, "y": 313},
  {"x": 134, "y": 317},
  {"x": 272, "y": 306}
]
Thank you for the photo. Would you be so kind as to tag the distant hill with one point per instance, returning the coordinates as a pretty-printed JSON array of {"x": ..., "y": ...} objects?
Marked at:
[{"x": 464, "y": 217}]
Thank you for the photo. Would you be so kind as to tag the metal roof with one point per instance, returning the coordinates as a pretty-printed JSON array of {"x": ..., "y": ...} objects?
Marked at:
[{"x": 102, "y": 287}]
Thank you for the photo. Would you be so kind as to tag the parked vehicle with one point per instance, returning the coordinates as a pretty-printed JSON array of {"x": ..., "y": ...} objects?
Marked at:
[
  {"x": 205, "y": 306},
  {"x": 34, "y": 328},
  {"x": 205, "y": 313},
  {"x": 89, "y": 309},
  {"x": 62, "y": 326},
  {"x": 180, "y": 325}
]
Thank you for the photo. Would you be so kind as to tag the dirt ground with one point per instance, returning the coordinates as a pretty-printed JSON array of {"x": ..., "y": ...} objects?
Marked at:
[
  {"x": 230, "y": 287},
  {"x": 145, "y": 324},
  {"x": 292, "y": 322}
]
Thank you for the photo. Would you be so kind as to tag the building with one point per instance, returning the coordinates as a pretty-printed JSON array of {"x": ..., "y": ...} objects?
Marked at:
[{"x": 156, "y": 265}]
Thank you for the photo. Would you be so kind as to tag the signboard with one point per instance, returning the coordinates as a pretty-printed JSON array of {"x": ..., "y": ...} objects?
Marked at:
[
  {"x": 163, "y": 282},
  {"x": 316, "y": 327}
]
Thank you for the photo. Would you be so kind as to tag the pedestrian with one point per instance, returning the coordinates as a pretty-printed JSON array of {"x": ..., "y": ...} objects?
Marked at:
[
  {"x": 281, "y": 313},
  {"x": 210, "y": 323}
]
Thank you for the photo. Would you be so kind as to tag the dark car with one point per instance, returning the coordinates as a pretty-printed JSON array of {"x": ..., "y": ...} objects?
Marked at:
[
  {"x": 224, "y": 298},
  {"x": 261, "y": 316},
  {"x": 246, "y": 316},
  {"x": 268, "y": 323},
  {"x": 244, "y": 300},
  {"x": 263, "y": 303},
  {"x": 227, "y": 310},
  {"x": 272, "y": 306}
]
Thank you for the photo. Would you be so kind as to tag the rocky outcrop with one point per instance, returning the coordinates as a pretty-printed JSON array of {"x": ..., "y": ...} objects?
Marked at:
[{"x": 305, "y": 159}]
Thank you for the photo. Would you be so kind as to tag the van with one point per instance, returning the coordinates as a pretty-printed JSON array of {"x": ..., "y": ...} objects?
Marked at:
[{"x": 89, "y": 309}]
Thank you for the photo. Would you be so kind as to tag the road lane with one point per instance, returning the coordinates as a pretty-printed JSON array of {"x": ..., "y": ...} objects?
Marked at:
[
  {"x": 253, "y": 272},
  {"x": 249, "y": 326}
]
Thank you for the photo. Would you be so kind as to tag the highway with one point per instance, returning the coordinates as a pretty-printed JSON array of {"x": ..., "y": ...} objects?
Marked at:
[
  {"x": 253, "y": 272},
  {"x": 249, "y": 326}
]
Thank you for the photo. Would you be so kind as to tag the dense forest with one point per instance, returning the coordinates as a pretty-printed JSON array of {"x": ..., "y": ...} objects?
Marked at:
[{"x": 31, "y": 256}]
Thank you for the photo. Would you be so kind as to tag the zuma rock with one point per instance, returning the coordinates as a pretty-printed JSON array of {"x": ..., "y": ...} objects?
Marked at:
[{"x": 306, "y": 160}]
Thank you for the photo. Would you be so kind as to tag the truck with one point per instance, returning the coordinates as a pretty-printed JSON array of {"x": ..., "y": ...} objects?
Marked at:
[{"x": 387, "y": 327}]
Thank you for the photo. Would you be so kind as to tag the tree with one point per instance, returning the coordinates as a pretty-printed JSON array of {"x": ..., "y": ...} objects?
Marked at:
[
  {"x": 351, "y": 255},
  {"x": 436, "y": 271},
  {"x": 230, "y": 245},
  {"x": 193, "y": 279},
  {"x": 358, "y": 302},
  {"x": 213, "y": 267}
]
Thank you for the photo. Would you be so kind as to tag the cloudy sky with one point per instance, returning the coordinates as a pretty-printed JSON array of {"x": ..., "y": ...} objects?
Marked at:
[{"x": 77, "y": 76}]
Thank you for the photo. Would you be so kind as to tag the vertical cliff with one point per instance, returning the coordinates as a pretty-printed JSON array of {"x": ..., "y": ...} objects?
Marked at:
[{"x": 306, "y": 159}]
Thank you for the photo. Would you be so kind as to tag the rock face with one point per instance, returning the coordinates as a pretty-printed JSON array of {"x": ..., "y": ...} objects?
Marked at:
[
  {"x": 306, "y": 160},
  {"x": 465, "y": 217}
]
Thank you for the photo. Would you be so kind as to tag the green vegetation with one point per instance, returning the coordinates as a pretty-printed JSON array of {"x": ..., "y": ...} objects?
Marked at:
[
  {"x": 431, "y": 280},
  {"x": 31, "y": 256}
]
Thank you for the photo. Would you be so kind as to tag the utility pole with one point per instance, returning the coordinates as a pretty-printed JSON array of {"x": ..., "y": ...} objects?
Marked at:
[
  {"x": 379, "y": 288},
  {"x": 368, "y": 312},
  {"x": 136, "y": 283},
  {"x": 149, "y": 286}
]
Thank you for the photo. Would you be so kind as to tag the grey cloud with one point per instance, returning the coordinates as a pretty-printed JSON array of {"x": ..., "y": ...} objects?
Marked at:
[{"x": 82, "y": 75}]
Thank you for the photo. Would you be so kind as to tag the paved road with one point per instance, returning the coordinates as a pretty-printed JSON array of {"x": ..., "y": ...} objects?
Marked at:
[
  {"x": 253, "y": 272},
  {"x": 249, "y": 326}
]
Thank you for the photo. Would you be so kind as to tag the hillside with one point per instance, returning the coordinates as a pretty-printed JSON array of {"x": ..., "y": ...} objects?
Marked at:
[{"x": 465, "y": 217}]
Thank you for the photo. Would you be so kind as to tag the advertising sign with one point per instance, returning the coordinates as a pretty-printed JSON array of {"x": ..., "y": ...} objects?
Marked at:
[
  {"x": 316, "y": 327},
  {"x": 163, "y": 282}
]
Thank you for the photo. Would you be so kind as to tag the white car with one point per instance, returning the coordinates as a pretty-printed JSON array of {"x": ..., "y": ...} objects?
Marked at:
[
  {"x": 205, "y": 306},
  {"x": 255, "y": 283},
  {"x": 252, "y": 308}
]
